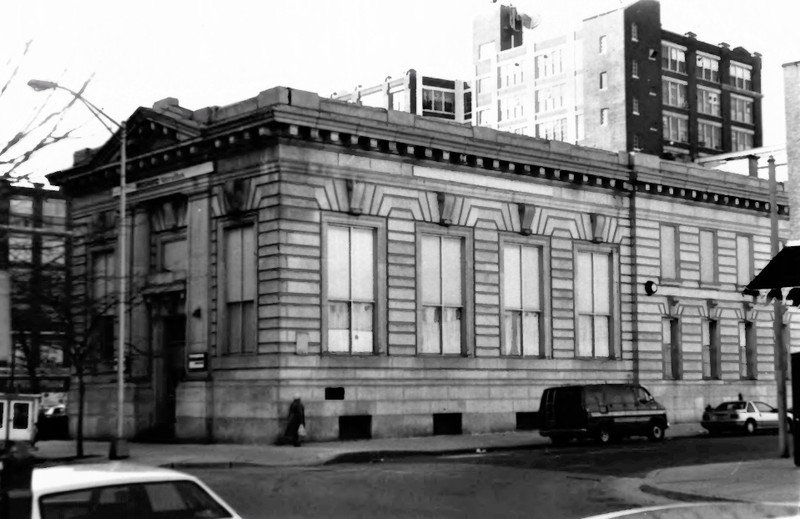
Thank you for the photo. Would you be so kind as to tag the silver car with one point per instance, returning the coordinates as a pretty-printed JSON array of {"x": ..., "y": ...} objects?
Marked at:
[{"x": 741, "y": 415}]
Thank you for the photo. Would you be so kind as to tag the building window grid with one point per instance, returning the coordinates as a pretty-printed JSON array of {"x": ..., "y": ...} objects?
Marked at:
[
  {"x": 442, "y": 294},
  {"x": 635, "y": 68},
  {"x": 742, "y": 109},
  {"x": 707, "y": 68},
  {"x": 671, "y": 348},
  {"x": 549, "y": 64},
  {"x": 594, "y": 278},
  {"x": 744, "y": 260},
  {"x": 741, "y": 76},
  {"x": 674, "y": 93},
  {"x": 710, "y": 135},
  {"x": 350, "y": 269},
  {"x": 670, "y": 252},
  {"x": 552, "y": 130},
  {"x": 603, "y": 80},
  {"x": 442, "y": 101},
  {"x": 103, "y": 303},
  {"x": 709, "y": 269},
  {"x": 675, "y": 127},
  {"x": 509, "y": 75},
  {"x": 604, "y": 117},
  {"x": 549, "y": 98},
  {"x": 634, "y": 32},
  {"x": 673, "y": 58},
  {"x": 711, "y": 349},
  {"x": 741, "y": 139},
  {"x": 240, "y": 289},
  {"x": 603, "y": 44},
  {"x": 635, "y": 108},
  {"x": 748, "y": 360},
  {"x": 522, "y": 300},
  {"x": 708, "y": 101}
]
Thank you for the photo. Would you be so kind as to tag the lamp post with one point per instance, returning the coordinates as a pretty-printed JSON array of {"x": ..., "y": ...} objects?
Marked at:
[{"x": 119, "y": 448}]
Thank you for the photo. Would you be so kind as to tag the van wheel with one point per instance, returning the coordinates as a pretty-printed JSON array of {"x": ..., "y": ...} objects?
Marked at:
[
  {"x": 655, "y": 431},
  {"x": 750, "y": 427},
  {"x": 560, "y": 439},
  {"x": 604, "y": 436}
]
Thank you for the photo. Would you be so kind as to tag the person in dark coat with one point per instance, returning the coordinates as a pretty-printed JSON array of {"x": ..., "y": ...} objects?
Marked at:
[{"x": 297, "y": 417}]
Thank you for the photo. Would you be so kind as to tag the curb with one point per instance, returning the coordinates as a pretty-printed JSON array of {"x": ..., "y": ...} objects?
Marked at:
[
  {"x": 685, "y": 496},
  {"x": 381, "y": 455},
  {"x": 210, "y": 465}
]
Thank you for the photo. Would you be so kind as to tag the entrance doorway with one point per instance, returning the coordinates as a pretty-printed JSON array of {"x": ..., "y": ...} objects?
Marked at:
[{"x": 169, "y": 357}]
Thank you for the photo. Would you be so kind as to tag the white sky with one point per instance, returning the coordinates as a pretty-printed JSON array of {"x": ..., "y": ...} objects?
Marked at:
[{"x": 208, "y": 52}]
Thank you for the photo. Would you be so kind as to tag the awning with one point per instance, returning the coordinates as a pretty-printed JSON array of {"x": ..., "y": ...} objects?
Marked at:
[{"x": 782, "y": 271}]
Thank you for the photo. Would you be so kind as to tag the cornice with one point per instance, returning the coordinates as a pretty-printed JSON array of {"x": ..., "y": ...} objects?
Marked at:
[{"x": 403, "y": 136}]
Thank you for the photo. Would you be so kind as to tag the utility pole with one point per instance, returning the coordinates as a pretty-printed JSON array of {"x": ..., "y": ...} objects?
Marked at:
[{"x": 778, "y": 325}]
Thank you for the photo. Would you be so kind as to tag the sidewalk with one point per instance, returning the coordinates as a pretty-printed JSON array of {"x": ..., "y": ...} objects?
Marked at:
[
  {"x": 763, "y": 481},
  {"x": 315, "y": 453}
]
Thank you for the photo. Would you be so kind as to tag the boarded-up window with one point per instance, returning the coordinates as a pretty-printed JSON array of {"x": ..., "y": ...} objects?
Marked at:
[
  {"x": 442, "y": 294},
  {"x": 240, "y": 289},
  {"x": 593, "y": 293},
  {"x": 351, "y": 289},
  {"x": 708, "y": 257},
  {"x": 522, "y": 300},
  {"x": 744, "y": 260},
  {"x": 669, "y": 252}
]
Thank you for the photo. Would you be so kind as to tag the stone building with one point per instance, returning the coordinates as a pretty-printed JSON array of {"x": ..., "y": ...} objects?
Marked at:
[{"x": 410, "y": 276}]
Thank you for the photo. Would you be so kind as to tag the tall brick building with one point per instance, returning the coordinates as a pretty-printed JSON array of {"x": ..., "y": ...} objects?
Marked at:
[
  {"x": 617, "y": 81},
  {"x": 411, "y": 276}
]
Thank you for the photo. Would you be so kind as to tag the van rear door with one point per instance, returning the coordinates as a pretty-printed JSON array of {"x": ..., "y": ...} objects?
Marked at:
[{"x": 569, "y": 409}]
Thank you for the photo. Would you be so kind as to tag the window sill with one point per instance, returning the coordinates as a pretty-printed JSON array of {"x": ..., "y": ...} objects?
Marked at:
[
  {"x": 348, "y": 354},
  {"x": 530, "y": 357}
]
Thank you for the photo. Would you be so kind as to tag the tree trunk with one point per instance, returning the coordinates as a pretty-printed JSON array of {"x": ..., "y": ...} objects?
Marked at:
[{"x": 79, "y": 428}]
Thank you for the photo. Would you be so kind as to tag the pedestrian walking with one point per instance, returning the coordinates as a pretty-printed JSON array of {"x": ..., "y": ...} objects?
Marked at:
[{"x": 295, "y": 420}]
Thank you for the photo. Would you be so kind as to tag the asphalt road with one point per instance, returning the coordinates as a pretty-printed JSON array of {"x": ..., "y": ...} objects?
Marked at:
[{"x": 564, "y": 482}]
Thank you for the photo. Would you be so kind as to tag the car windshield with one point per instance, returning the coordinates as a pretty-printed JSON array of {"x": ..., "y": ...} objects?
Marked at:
[{"x": 731, "y": 406}]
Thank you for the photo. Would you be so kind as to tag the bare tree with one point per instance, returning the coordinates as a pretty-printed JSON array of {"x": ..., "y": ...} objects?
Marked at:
[
  {"x": 41, "y": 127},
  {"x": 89, "y": 325}
]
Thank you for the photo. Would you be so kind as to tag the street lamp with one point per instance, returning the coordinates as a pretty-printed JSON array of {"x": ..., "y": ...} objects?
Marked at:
[{"x": 119, "y": 448}]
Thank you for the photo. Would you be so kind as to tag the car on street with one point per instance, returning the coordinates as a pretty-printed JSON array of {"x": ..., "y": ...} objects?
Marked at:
[
  {"x": 120, "y": 491},
  {"x": 746, "y": 416},
  {"x": 605, "y": 412}
]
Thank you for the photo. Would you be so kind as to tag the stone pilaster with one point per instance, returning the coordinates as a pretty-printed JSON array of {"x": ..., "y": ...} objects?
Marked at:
[
  {"x": 140, "y": 268},
  {"x": 198, "y": 280},
  {"x": 791, "y": 82}
]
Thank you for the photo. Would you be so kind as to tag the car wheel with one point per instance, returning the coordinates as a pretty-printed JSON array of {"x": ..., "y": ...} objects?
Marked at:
[
  {"x": 655, "y": 431},
  {"x": 714, "y": 432},
  {"x": 750, "y": 426},
  {"x": 604, "y": 435},
  {"x": 560, "y": 439}
]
